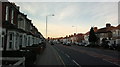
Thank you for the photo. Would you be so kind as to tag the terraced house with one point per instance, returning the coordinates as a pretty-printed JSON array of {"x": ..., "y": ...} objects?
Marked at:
[
  {"x": 17, "y": 30},
  {"x": 111, "y": 33},
  {"x": 116, "y": 34}
]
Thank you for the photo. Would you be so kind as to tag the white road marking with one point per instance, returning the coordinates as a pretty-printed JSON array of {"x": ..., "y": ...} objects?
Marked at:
[
  {"x": 76, "y": 63},
  {"x": 67, "y": 55},
  {"x": 60, "y": 57},
  {"x": 111, "y": 62}
]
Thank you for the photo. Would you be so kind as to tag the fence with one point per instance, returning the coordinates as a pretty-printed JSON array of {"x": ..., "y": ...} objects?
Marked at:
[{"x": 16, "y": 60}]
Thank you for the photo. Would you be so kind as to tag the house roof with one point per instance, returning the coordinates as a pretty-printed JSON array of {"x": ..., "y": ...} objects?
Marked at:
[
  {"x": 87, "y": 33},
  {"x": 118, "y": 27},
  {"x": 106, "y": 29},
  {"x": 102, "y": 30},
  {"x": 80, "y": 34},
  {"x": 111, "y": 28}
]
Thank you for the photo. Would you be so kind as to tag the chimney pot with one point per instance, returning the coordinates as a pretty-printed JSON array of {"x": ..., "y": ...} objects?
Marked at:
[{"x": 108, "y": 25}]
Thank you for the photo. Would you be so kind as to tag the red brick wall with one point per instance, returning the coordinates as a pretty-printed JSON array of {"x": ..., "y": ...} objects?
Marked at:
[
  {"x": 3, "y": 11},
  {"x": 15, "y": 17},
  {"x": 4, "y": 4},
  {"x": 0, "y": 14}
]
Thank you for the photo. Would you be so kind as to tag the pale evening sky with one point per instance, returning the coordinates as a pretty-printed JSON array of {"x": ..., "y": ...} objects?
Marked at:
[{"x": 83, "y": 15}]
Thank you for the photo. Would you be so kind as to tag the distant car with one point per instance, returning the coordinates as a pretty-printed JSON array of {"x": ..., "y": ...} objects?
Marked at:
[
  {"x": 79, "y": 44},
  {"x": 76, "y": 43},
  {"x": 86, "y": 45},
  {"x": 58, "y": 42},
  {"x": 64, "y": 43},
  {"x": 52, "y": 43},
  {"x": 68, "y": 44}
]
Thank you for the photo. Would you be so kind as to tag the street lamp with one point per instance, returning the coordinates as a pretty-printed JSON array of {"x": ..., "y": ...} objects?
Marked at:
[
  {"x": 76, "y": 28},
  {"x": 46, "y": 23}
]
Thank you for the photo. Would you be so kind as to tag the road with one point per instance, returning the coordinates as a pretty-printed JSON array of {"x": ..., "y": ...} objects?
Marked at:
[
  {"x": 72, "y": 56},
  {"x": 84, "y": 56}
]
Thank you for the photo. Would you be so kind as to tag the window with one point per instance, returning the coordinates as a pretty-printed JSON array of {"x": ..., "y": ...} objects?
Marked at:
[
  {"x": 11, "y": 40},
  {"x": 20, "y": 43},
  {"x": 12, "y": 17},
  {"x": 10, "y": 36},
  {"x": 2, "y": 41},
  {"x": 24, "y": 42},
  {"x": 114, "y": 33},
  {"x": 23, "y": 24},
  {"x": 16, "y": 40},
  {"x": 10, "y": 45},
  {"x": 28, "y": 41},
  {"x": 7, "y": 13},
  {"x": 118, "y": 32}
]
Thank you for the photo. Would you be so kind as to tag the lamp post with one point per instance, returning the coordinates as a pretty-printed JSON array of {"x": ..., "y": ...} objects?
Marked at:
[
  {"x": 46, "y": 23},
  {"x": 76, "y": 28}
]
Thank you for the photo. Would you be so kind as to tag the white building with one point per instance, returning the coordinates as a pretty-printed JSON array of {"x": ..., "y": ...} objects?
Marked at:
[{"x": 116, "y": 34}]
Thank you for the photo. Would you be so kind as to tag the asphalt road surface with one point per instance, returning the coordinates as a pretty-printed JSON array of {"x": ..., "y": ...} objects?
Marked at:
[
  {"x": 77, "y": 56},
  {"x": 88, "y": 57}
]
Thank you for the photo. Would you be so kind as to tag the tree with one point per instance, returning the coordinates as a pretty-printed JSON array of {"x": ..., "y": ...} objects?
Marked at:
[{"x": 92, "y": 37}]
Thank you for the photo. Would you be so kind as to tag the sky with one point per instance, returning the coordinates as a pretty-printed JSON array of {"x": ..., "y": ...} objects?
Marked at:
[{"x": 81, "y": 15}]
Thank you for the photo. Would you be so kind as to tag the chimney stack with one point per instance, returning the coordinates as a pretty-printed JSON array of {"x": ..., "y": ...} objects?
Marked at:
[
  {"x": 108, "y": 25},
  {"x": 95, "y": 29}
]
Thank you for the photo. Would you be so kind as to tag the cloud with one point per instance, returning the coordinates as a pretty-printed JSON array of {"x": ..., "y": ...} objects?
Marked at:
[
  {"x": 64, "y": 0},
  {"x": 80, "y": 14}
]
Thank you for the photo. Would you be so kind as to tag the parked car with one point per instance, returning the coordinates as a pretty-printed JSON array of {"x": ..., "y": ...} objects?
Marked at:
[
  {"x": 76, "y": 43},
  {"x": 80, "y": 44},
  {"x": 68, "y": 44},
  {"x": 64, "y": 43},
  {"x": 52, "y": 43},
  {"x": 86, "y": 45}
]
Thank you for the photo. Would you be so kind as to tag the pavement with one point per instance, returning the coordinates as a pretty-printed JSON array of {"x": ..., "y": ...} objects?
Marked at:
[{"x": 49, "y": 57}]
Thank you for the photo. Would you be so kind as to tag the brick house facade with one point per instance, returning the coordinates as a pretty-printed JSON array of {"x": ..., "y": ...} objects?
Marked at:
[{"x": 17, "y": 30}]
